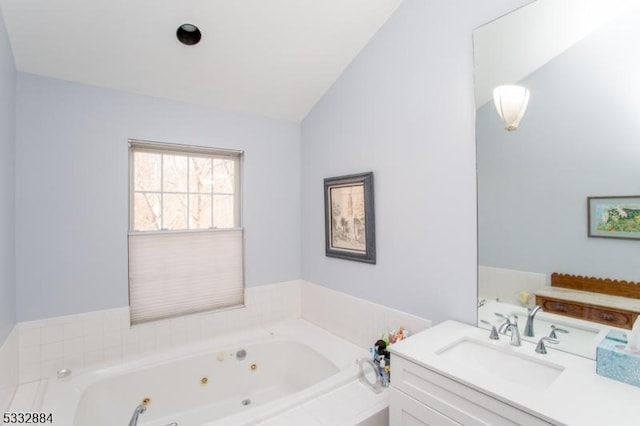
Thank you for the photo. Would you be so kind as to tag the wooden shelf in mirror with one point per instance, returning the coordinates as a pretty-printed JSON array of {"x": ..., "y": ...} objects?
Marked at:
[
  {"x": 596, "y": 313},
  {"x": 600, "y": 300},
  {"x": 596, "y": 285}
]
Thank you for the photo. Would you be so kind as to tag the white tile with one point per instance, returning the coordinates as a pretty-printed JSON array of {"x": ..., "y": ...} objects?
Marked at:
[
  {"x": 92, "y": 358},
  {"x": 357, "y": 320},
  {"x": 73, "y": 362},
  {"x": 72, "y": 330},
  {"x": 163, "y": 329},
  {"x": 147, "y": 346},
  {"x": 93, "y": 325},
  {"x": 130, "y": 350},
  {"x": 30, "y": 370},
  {"x": 146, "y": 335},
  {"x": 40, "y": 394},
  {"x": 125, "y": 318},
  {"x": 112, "y": 320},
  {"x": 214, "y": 324},
  {"x": 29, "y": 336},
  {"x": 52, "y": 351},
  {"x": 6, "y": 396},
  {"x": 163, "y": 343},
  {"x": 24, "y": 398},
  {"x": 29, "y": 364},
  {"x": 130, "y": 336},
  {"x": 52, "y": 333},
  {"x": 112, "y": 354},
  {"x": 33, "y": 324},
  {"x": 93, "y": 342},
  {"x": 506, "y": 284},
  {"x": 112, "y": 338},
  {"x": 73, "y": 346},
  {"x": 178, "y": 326},
  {"x": 9, "y": 360},
  {"x": 194, "y": 328},
  {"x": 53, "y": 321},
  {"x": 50, "y": 368},
  {"x": 178, "y": 339}
]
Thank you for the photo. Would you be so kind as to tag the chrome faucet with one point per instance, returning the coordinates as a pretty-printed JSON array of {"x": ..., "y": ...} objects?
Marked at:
[
  {"x": 541, "y": 348},
  {"x": 494, "y": 333},
  {"x": 507, "y": 322},
  {"x": 531, "y": 313},
  {"x": 515, "y": 334},
  {"x": 554, "y": 330},
  {"x": 134, "y": 418}
]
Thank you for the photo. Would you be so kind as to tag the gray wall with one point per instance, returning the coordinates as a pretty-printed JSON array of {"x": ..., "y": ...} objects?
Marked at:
[
  {"x": 72, "y": 190},
  {"x": 580, "y": 137},
  {"x": 404, "y": 109},
  {"x": 7, "y": 185}
]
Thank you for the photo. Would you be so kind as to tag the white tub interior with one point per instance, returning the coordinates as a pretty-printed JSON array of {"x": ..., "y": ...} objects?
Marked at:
[{"x": 204, "y": 384}]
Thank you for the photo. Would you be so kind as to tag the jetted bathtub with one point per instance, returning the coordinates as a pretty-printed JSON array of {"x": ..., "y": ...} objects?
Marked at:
[{"x": 238, "y": 379}]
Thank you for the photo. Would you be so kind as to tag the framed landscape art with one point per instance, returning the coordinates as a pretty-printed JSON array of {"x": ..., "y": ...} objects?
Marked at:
[{"x": 614, "y": 217}]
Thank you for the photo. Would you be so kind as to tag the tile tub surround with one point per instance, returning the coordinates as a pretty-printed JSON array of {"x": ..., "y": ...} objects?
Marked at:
[
  {"x": 506, "y": 284},
  {"x": 8, "y": 369},
  {"x": 105, "y": 337},
  {"x": 356, "y": 320}
]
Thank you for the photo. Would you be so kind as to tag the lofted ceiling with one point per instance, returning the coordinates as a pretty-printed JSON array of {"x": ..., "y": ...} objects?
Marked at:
[
  {"x": 274, "y": 58},
  {"x": 510, "y": 48}
]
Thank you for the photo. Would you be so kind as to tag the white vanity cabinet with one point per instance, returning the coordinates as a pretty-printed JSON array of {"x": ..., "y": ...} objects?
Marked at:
[
  {"x": 454, "y": 374},
  {"x": 420, "y": 396}
]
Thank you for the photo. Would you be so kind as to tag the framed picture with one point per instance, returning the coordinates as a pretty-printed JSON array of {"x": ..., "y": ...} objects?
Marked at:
[
  {"x": 349, "y": 217},
  {"x": 614, "y": 217}
]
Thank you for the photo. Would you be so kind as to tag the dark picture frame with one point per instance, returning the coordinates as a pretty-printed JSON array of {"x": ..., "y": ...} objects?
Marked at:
[
  {"x": 350, "y": 218},
  {"x": 614, "y": 217}
]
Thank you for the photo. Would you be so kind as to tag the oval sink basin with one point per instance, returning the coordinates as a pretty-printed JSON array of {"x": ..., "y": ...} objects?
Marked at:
[{"x": 498, "y": 360}]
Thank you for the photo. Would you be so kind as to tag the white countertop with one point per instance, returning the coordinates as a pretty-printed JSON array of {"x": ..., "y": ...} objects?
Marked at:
[
  {"x": 578, "y": 396},
  {"x": 591, "y": 298}
]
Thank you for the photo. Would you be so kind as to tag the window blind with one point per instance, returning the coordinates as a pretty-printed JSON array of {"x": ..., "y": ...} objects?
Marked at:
[{"x": 179, "y": 273}]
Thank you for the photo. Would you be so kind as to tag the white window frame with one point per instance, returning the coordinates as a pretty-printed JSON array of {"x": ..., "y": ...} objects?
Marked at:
[{"x": 159, "y": 260}]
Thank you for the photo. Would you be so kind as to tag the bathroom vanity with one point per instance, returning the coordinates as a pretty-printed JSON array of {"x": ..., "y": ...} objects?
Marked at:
[{"x": 453, "y": 374}]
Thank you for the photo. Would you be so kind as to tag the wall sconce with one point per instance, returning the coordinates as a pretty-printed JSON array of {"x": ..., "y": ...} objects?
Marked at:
[{"x": 511, "y": 103}]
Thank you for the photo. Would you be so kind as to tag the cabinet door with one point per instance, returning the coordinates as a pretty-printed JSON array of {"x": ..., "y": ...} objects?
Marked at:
[
  {"x": 406, "y": 411},
  {"x": 455, "y": 400}
]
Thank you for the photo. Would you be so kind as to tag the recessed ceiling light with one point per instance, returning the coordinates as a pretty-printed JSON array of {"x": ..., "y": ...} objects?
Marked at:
[{"x": 188, "y": 34}]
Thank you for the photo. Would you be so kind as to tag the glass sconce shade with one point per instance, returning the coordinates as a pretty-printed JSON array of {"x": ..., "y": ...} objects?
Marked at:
[{"x": 511, "y": 103}]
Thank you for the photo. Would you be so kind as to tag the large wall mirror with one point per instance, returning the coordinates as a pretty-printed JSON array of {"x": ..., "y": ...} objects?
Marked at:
[{"x": 579, "y": 138}]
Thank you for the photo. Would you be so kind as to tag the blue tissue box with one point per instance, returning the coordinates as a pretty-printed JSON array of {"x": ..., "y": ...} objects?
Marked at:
[{"x": 615, "y": 362}]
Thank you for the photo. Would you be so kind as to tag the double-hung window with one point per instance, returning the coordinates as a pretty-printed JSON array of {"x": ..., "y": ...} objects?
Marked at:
[{"x": 185, "y": 231}]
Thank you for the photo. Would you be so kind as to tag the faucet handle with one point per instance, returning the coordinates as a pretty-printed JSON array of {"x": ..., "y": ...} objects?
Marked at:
[
  {"x": 494, "y": 333},
  {"x": 515, "y": 333},
  {"x": 541, "y": 348},
  {"x": 505, "y": 317},
  {"x": 555, "y": 329}
]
